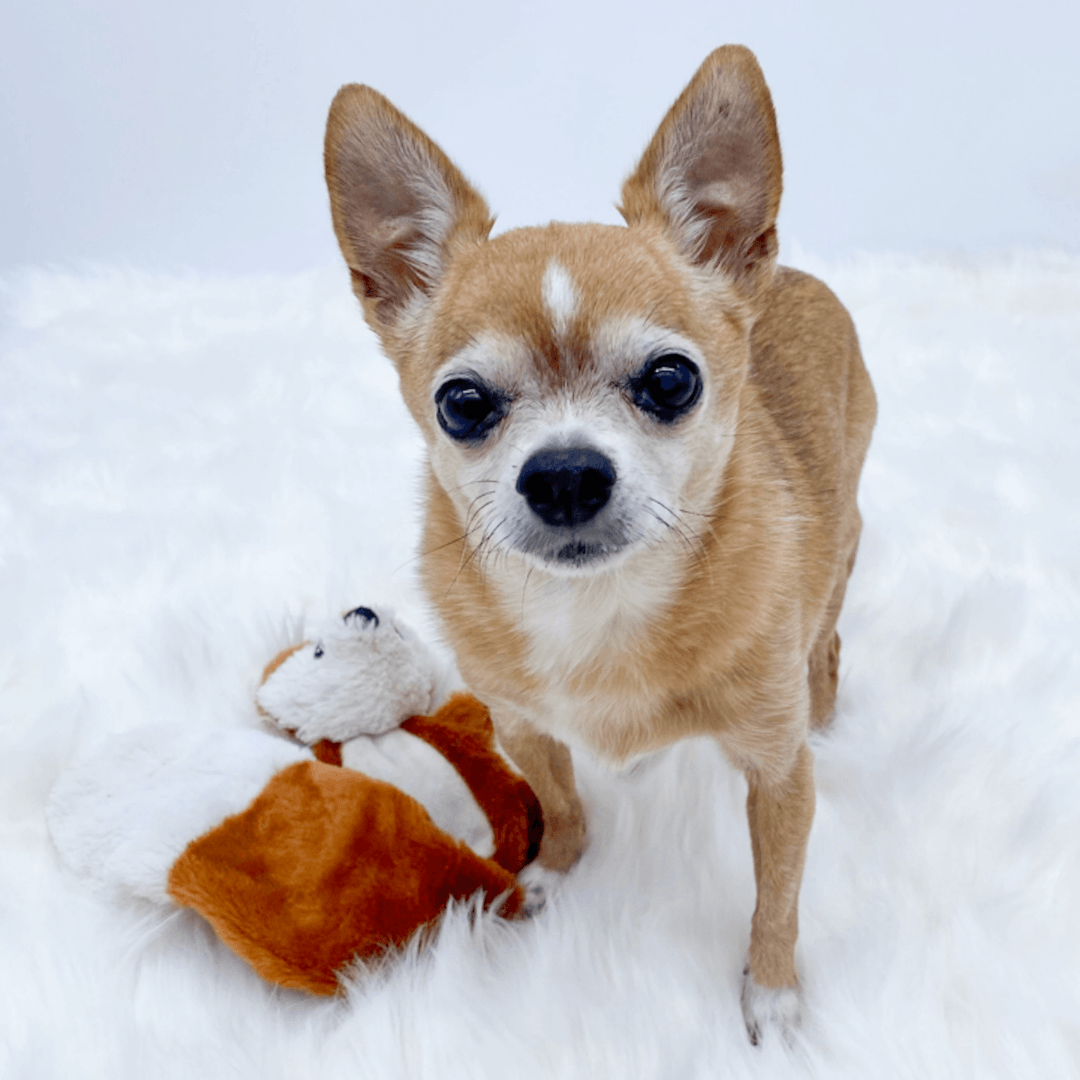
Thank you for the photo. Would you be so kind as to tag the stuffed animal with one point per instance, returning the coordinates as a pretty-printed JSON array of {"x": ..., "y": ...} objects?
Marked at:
[{"x": 306, "y": 859}]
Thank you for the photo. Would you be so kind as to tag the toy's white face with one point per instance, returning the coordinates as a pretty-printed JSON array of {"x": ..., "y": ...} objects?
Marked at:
[{"x": 362, "y": 674}]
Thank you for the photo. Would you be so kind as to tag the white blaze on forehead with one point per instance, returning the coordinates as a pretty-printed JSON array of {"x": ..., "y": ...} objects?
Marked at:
[{"x": 561, "y": 296}]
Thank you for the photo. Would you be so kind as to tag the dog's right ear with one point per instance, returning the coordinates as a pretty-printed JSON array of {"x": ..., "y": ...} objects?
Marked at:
[
  {"x": 712, "y": 175},
  {"x": 398, "y": 203}
]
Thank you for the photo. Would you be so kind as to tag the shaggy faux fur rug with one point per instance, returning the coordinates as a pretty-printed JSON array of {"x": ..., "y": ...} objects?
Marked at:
[{"x": 192, "y": 468}]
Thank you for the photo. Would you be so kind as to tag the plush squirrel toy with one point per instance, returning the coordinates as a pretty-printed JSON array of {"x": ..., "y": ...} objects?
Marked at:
[{"x": 305, "y": 859}]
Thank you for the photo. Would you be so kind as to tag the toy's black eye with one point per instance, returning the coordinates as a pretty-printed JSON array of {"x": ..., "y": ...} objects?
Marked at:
[
  {"x": 318, "y": 651},
  {"x": 667, "y": 387},
  {"x": 467, "y": 409}
]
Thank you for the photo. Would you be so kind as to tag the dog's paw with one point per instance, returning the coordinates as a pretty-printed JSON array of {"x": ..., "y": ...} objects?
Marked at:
[
  {"x": 539, "y": 884},
  {"x": 766, "y": 1008}
]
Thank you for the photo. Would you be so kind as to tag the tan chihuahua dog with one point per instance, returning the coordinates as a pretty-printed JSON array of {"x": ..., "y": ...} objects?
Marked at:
[{"x": 644, "y": 447}]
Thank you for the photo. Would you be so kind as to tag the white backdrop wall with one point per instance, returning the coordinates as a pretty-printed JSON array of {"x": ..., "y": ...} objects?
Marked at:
[{"x": 170, "y": 135}]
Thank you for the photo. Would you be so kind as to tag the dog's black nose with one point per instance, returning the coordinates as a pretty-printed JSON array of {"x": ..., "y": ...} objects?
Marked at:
[{"x": 567, "y": 487}]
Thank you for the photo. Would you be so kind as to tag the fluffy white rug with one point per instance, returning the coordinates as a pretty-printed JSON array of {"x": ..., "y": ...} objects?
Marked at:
[{"x": 191, "y": 468}]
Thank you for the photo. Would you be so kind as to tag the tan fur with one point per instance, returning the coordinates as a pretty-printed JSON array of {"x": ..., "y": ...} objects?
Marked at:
[{"x": 722, "y": 620}]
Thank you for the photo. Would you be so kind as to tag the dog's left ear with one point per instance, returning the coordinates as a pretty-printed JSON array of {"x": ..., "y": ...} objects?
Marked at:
[
  {"x": 398, "y": 204},
  {"x": 712, "y": 175}
]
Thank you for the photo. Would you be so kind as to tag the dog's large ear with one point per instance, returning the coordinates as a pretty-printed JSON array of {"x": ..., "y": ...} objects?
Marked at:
[
  {"x": 711, "y": 177},
  {"x": 398, "y": 203}
]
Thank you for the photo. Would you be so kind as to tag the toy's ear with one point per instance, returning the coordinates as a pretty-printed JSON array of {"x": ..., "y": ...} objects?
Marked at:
[
  {"x": 712, "y": 175},
  {"x": 280, "y": 659}
]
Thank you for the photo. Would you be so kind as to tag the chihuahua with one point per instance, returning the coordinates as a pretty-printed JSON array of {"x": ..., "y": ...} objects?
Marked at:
[{"x": 644, "y": 445}]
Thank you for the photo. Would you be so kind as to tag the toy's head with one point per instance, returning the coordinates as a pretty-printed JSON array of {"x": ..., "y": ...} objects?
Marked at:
[{"x": 362, "y": 674}]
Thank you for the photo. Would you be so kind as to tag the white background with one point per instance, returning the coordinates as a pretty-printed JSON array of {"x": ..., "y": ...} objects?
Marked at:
[{"x": 190, "y": 134}]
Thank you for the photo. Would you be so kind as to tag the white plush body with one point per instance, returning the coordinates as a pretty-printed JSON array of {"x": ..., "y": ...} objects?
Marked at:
[
  {"x": 419, "y": 770},
  {"x": 123, "y": 812}
]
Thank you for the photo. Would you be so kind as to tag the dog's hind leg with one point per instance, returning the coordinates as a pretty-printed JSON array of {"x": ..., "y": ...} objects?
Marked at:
[
  {"x": 824, "y": 678},
  {"x": 824, "y": 665}
]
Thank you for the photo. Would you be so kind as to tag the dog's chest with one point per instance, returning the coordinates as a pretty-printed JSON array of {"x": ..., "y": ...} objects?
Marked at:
[
  {"x": 575, "y": 624},
  {"x": 585, "y": 640}
]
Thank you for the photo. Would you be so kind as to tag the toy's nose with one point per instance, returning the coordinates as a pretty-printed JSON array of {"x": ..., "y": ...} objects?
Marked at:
[
  {"x": 567, "y": 487},
  {"x": 364, "y": 613}
]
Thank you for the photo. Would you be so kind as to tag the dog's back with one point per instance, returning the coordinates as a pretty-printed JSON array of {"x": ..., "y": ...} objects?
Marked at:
[
  {"x": 805, "y": 360},
  {"x": 809, "y": 373}
]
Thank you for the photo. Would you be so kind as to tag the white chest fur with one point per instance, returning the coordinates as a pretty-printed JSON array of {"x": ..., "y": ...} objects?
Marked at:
[
  {"x": 584, "y": 634},
  {"x": 578, "y": 622}
]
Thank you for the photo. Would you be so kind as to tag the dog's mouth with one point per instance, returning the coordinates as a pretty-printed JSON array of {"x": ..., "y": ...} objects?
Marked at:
[
  {"x": 575, "y": 553},
  {"x": 581, "y": 553}
]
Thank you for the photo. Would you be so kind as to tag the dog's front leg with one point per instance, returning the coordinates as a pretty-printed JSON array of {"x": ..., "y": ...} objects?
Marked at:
[
  {"x": 545, "y": 763},
  {"x": 780, "y": 815}
]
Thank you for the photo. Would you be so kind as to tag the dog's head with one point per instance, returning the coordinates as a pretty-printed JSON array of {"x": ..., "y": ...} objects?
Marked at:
[{"x": 578, "y": 385}]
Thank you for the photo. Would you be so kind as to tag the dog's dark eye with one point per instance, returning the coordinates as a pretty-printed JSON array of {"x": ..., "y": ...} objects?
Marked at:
[
  {"x": 667, "y": 387},
  {"x": 467, "y": 409}
]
